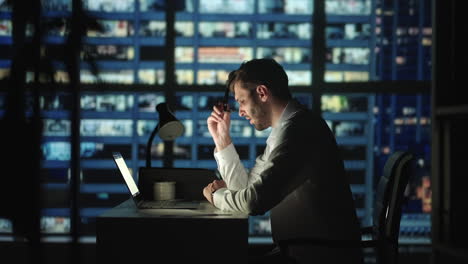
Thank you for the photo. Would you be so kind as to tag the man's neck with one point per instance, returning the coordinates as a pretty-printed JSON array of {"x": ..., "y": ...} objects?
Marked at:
[{"x": 277, "y": 110}]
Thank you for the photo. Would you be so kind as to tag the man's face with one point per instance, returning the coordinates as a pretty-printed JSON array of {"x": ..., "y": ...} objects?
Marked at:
[{"x": 252, "y": 108}]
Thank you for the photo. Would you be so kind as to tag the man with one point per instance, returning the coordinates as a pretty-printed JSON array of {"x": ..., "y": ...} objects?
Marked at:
[{"x": 300, "y": 176}]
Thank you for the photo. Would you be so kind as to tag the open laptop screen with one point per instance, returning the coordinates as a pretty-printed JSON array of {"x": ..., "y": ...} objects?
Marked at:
[{"x": 126, "y": 174}]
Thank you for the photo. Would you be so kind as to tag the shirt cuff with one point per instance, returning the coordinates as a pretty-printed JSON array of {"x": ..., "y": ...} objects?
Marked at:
[
  {"x": 218, "y": 197},
  {"x": 227, "y": 155}
]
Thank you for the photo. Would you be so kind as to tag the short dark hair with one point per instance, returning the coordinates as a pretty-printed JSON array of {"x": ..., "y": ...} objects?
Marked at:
[{"x": 266, "y": 72}]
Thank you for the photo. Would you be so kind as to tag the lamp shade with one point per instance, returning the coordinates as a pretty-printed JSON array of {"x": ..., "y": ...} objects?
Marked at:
[{"x": 169, "y": 127}]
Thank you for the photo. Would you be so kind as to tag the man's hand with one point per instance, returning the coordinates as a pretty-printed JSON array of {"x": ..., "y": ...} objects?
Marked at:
[
  {"x": 218, "y": 184},
  {"x": 208, "y": 193},
  {"x": 211, "y": 188},
  {"x": 219, "y": 123}
]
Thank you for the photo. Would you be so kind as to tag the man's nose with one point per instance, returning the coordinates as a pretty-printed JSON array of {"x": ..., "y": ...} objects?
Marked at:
[{"x": 241, "y": 112}]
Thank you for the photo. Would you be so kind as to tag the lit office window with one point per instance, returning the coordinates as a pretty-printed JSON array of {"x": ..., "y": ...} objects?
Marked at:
[
  {"x": 145, "y": 127},
  {"x": 188, "y": 127},
  {"x": 184, "y": 29},
  {"x": 108, "y": 52},
  {"x": 349, "y": 57},
  {"x": 5, "y": 27},
  {"x": 59, "y": 76},
  {"x": 183, "y": 54},
  {"x": 184, "y": 102},
  {"x": 225, "y": 29},
  {"x": 210, "y": 77},
  {"x": 154, "y": 28},
  {"x": 6, "y": 226},
  {"x": 4, "y": 73},
  {"x": 290, "y": 7},
  {"x": 227, "y": 6},
  {"x": 224, "y": 54},
  {"x": 346, "y": 76},
  {"x": 58, "y": 150},
  {"x": 109, "y": 5},
  {"x": 285, "y": 54},
  {"x": 106, "y": 127},
  {"x": 112, "y": 28},
  {"x": 147, "y": 102},
  {"x": 356, "y": 56},
  {"x": 282, "y": 30},
  {"x": 206, "y": 101},
  {"x": 299, "y": 77},
  {"x": 149, "y": 76},
  {"x": 56, "y": 127},
  {"x": 348, "y": 7},
  {"x": 55, "y": 224},
  {"x": 107, "y": 102},
  {"x": 344, "y": 103},
  {"x": 184, "y": 76},
  {"x": 241, "y": 128},
  {"x": 348, "y": 31},
  {"x": 108, "y": 76}
]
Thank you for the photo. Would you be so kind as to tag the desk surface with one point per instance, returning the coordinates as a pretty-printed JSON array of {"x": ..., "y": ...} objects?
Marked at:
[
  {"x": 206, "y": 210},
  {"x": 126, "y": 234}
]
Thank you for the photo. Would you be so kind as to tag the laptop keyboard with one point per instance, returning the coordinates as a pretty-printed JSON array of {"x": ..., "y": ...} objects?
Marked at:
[{"x": 158, "y": 204}]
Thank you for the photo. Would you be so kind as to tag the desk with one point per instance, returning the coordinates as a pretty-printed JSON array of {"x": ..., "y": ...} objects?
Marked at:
[{"x": 128, "y": 235}]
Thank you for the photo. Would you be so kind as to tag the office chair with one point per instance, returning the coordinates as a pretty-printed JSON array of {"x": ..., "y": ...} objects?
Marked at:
[{"x": 386, "y": 216}]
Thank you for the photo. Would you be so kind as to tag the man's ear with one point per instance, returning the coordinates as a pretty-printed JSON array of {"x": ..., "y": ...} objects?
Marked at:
[{"x": 262, "y": 92}]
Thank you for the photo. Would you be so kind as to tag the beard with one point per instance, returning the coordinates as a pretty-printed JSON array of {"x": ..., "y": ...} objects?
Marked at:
[{"x": 259, "y": 115}]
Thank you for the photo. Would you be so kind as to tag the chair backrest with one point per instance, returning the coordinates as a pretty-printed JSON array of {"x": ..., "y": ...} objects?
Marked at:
[{"x": 390, "y": 195}]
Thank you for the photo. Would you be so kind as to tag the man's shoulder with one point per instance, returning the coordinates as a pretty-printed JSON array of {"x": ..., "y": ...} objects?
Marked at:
[{"x": 304, "y": 115}]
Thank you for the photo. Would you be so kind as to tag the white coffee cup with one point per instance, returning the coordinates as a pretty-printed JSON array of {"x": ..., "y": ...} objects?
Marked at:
[{"x": 164, "y": 190}]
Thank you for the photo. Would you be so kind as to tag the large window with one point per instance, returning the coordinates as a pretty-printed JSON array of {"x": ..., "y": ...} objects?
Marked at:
[{"x": 124, "y": 72}]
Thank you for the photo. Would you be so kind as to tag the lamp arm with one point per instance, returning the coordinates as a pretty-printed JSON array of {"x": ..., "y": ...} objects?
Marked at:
[{"x": 148, "y": 146}]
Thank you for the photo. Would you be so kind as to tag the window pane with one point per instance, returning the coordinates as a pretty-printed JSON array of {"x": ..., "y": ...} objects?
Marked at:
[
  {"x": 290, "y": 7},
  {"x": 224, "y": 54},
  {"x": 112, "y": 28},
  {"x": 348, "y": 7},
  {"x": 225, "y": 29},
  {"x": 227, "y": 6},
  {"x": 109, "y": 5},
  {"x": 285, "y": 54},
  {"x": 273, "y": 30}
]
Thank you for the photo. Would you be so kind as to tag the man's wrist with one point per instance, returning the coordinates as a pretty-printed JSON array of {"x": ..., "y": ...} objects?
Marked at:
[{"x": 221, "y": 146}]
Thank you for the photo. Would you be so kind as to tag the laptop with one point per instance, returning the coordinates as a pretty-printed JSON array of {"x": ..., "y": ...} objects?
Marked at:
[{"x": 137, "y": 197}]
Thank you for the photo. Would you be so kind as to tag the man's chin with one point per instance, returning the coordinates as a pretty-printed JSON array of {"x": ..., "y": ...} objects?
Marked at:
[{"x": 259, "y": 127}]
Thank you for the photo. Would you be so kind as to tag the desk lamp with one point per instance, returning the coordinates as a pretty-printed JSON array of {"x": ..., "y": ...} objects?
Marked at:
[{"x": 168, "y": 127}]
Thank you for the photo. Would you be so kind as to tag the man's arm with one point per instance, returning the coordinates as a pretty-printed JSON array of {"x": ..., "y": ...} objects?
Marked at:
[
  {"x": 231, "y": 168},
  {"x": 281, "y": 173}
]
